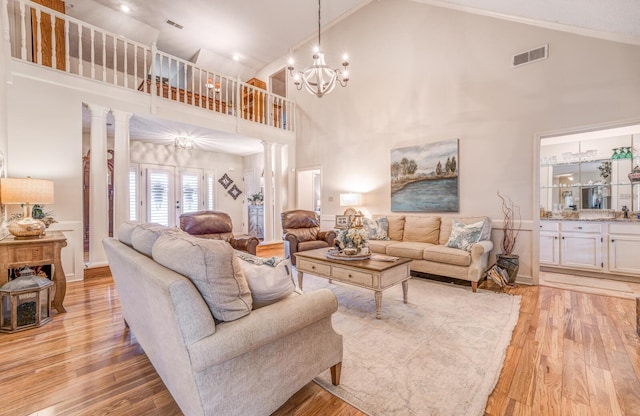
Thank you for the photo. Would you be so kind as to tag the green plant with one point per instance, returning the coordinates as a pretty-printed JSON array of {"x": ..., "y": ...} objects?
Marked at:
[
  {"x": 257, "y": 197},
  {"x": 511, "y": 224}
]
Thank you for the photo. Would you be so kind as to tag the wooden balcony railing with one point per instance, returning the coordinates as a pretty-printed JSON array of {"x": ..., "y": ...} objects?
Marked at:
[{"x": 49, "y": 38}]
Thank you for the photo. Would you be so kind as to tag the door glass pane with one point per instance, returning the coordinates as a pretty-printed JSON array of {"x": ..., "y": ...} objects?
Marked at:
[
  {"x": 159, "y": 197},
  {"x": 133, "y": 196},
  {"x": 210, "y": 189},
  {"x": 190, "y": 192}
]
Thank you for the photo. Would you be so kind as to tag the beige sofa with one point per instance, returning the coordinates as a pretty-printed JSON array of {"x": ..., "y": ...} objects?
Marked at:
[
  {"x": 248, "y": 365},
  {"x": 424, "y": 239}
]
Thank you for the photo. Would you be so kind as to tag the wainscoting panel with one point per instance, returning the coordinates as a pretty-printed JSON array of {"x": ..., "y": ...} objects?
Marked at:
[{"x": 72, "y": 254}]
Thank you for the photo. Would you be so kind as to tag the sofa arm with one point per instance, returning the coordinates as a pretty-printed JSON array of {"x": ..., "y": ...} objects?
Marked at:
[
  {"x": 248, "y": 243},
  {"x": 261, "y": 327},
  {"x": 481, "y": 248},
  {"x": 328, "y": 236}
]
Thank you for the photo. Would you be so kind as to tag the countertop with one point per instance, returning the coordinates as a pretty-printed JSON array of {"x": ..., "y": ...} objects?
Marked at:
[{"x": 630, "y": 220}]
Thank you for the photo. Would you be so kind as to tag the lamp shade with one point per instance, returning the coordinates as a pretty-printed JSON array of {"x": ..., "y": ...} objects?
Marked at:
[
  {"x": 26, "y": 191},
  {"x": 350, "y": 199}
]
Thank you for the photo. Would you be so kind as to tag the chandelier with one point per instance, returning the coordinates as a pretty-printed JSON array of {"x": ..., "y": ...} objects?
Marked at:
[{"x": 319, "y": 78}]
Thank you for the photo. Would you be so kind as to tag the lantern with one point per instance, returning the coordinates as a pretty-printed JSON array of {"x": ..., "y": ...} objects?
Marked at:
[{"x": 25, "y": 302}]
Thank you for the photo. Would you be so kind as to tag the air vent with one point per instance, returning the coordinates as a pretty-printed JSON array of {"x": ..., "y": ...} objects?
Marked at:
[
  {"x": 536, "y": 54},
  {"x": 174, "y": 24}
]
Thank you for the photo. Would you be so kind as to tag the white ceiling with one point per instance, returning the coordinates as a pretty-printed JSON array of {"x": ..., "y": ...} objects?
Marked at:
[{"x": 261, "y": 32}]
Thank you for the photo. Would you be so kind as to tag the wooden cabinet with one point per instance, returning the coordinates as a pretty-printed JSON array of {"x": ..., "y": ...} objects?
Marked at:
[
  {"x": 253, "y": 101},
  {"x": 549, "y": 243},
  {"x": 41, "y": 251},
  {"x": 48, "y": 36},
  {"x": 624, "y": 248},
  {"x": 581, "y": 245}
]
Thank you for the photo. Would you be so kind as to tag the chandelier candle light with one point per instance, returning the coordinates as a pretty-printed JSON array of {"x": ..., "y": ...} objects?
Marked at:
[{"x": 319, "y": 78}]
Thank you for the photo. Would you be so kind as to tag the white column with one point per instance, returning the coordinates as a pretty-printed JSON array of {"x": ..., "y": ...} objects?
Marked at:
[
  {"x": 268, "y": 192},
  {"x": 277, "y": 206},
  {"x": 99, "y": 199},
  {"x": 121, "y": 168},
  {"x": 5, "y": 60}
]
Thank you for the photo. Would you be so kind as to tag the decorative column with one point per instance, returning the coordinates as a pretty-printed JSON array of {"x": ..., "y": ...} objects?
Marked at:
[
  {"x": 99, "y": 198},
  {"x": 5, "y": 60},
  {"x": 277, "y": 198},
  {"x": 121, "y": 168},
  {"x": 268, "y": 192}
]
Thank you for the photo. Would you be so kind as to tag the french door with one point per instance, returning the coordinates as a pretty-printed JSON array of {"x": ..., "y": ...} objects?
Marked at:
[{"x": 170, "y": 192}]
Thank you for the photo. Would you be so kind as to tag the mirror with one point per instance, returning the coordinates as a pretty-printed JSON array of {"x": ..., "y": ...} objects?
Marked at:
[{"x": 588, "y": 174}]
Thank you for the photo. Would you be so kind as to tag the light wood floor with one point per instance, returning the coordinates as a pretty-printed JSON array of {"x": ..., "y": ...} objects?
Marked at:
[{"x": 572, "y": 353}]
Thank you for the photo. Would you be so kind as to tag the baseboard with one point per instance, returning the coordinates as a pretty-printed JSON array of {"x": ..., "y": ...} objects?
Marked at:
[{"x": 96, "y": 272}]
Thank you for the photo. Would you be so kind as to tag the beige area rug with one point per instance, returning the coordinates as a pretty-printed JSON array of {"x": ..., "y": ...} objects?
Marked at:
[{"x": 440, "y": 354}]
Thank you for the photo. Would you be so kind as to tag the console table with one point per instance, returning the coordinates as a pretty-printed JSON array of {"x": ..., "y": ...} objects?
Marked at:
[{"x": 15, "y": 253}]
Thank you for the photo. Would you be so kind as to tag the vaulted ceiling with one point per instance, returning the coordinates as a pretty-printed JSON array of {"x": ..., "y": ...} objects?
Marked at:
[{"x": 261, "y": 32}]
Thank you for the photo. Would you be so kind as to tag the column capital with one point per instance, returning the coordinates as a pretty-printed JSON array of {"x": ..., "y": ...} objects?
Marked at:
[
  {"x": 120, "y": 115},
  {"x": 97, "y": 110}
]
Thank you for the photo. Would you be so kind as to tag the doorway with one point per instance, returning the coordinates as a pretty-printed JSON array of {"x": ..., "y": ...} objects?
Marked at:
[
  {"x": 278, "y": 83},
  {"x": 309, "y": 189}
]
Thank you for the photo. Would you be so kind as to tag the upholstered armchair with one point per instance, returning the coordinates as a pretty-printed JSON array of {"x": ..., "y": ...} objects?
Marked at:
[
  {"x": 217, "y": 225},
  {"x": 301, "y": 232}
]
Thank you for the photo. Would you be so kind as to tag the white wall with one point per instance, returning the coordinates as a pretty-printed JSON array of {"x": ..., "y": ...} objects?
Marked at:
[{"x": 421, "y": 74}]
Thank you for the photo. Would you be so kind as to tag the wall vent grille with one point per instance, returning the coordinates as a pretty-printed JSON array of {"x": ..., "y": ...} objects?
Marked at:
[
  {"x": 174, "y": 24},
  {"x": 535, "y": 54}
]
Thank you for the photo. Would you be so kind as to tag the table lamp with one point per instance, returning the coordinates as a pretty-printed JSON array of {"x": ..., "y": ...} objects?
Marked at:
[{"x": 26, "y": 191}]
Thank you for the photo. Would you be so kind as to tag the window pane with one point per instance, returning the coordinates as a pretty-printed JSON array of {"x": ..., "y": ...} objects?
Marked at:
[
  {"x": 210, "y": 188},
  {"x": 133, "y": 197},
  {"x": 159, "y": 201},
  {"x": 190, "y": 187}
]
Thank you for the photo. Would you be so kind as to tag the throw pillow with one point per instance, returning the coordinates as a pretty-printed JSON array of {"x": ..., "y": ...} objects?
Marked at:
[
  {"x": 464, "y": 236},
  {"x": 145, "y": 235},
  {"x": 213, "y": 269},
  {"x": 270, "y": 280},
  {"x": 376, "y": 229}
]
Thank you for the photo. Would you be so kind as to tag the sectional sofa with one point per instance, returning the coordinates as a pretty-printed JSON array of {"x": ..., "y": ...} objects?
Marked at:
[{"x": 427, "y": 241}]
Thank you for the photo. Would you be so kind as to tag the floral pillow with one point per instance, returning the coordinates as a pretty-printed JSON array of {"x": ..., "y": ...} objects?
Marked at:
[
  {"x": 464, "y": 236},
  {"x": 376, "y": 229}
]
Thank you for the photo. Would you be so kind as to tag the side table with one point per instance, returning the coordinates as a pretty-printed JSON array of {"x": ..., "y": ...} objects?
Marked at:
[{"x": 15, "y": 253}]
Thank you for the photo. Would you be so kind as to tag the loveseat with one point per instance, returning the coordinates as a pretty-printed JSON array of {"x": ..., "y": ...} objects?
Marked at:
[
  {"x": 426, "y": 240},
  {"x": 186, "y": 301}
]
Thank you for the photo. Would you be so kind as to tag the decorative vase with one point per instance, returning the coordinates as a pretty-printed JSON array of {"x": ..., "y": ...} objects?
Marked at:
[
  {"x": 350, "y": 251},
  {"x": 511, "y": 263}
]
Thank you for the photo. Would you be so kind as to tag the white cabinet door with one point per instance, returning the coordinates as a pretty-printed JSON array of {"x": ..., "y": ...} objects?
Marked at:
[
  {"x": 581, "y": 251},
  {"x": 624, "y": 254},
  {"x": 549, "y": 248}
]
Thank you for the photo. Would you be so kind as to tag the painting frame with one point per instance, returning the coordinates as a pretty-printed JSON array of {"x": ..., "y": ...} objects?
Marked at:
[
  {"x": 342, "y": 222},
  {"x": 425, "y": 177}
]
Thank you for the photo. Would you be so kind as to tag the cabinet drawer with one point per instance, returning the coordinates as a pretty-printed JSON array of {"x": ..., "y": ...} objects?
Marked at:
[
  {"x": 31, "y": 254},
  {"x": 584, "y": 227},
  {"x": 624, "y": 228},
  {"x": 549, "y": 226},
  {"x": 352, "y": 276},
  {"x": 314, "y": 268}
]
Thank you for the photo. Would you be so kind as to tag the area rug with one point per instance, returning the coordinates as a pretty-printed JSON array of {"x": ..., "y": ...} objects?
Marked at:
[{"x": 439, "y": 354}]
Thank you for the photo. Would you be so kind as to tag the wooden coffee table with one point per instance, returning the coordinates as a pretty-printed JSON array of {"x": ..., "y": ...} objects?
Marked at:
[{"x": 370, "y": 274}]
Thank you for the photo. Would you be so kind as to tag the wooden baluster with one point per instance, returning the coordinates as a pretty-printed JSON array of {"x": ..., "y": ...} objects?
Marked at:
[
  {"x": 93, "y": 53},
  {"x": 38, "y": 37},
  {"x": 104, "y": 57},
  {"x": 135, "y": 65},
  {"x": 23, "y": 32},
  {"x": 115, "y": 60},
  {"x": 67, "y": 64},
  {"x": 126, "y": 66},
  {"x": 80, "y": 67},
  {"x": 54, "y": 60}
]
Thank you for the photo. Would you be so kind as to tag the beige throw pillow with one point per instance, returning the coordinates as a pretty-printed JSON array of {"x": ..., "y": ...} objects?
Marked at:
[
  {"x": 212, "y": 267},
  {"x": 421, "y": 229}
]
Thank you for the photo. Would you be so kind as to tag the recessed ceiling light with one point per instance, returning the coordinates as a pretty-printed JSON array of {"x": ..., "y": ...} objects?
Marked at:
[
  {"x": 236, "y": 56},
  {"x": 125, "y": 8}
]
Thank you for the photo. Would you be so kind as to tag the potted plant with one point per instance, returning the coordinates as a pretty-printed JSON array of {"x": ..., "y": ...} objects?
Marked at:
[
  {"x": 256, "y": 199},
  {"x": 511, "y": 225}
]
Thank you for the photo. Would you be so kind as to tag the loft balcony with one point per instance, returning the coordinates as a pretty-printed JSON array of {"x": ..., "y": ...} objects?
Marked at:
[{"x": 52, "y": 40}]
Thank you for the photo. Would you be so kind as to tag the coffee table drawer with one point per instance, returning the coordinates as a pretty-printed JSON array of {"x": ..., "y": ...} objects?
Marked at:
[
  {"x": 352, "y": 276},
  {"x": 310, "y": 267}
]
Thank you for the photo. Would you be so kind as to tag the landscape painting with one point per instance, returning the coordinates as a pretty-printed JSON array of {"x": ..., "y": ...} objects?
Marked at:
[{"x": 424, "y": 178}]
